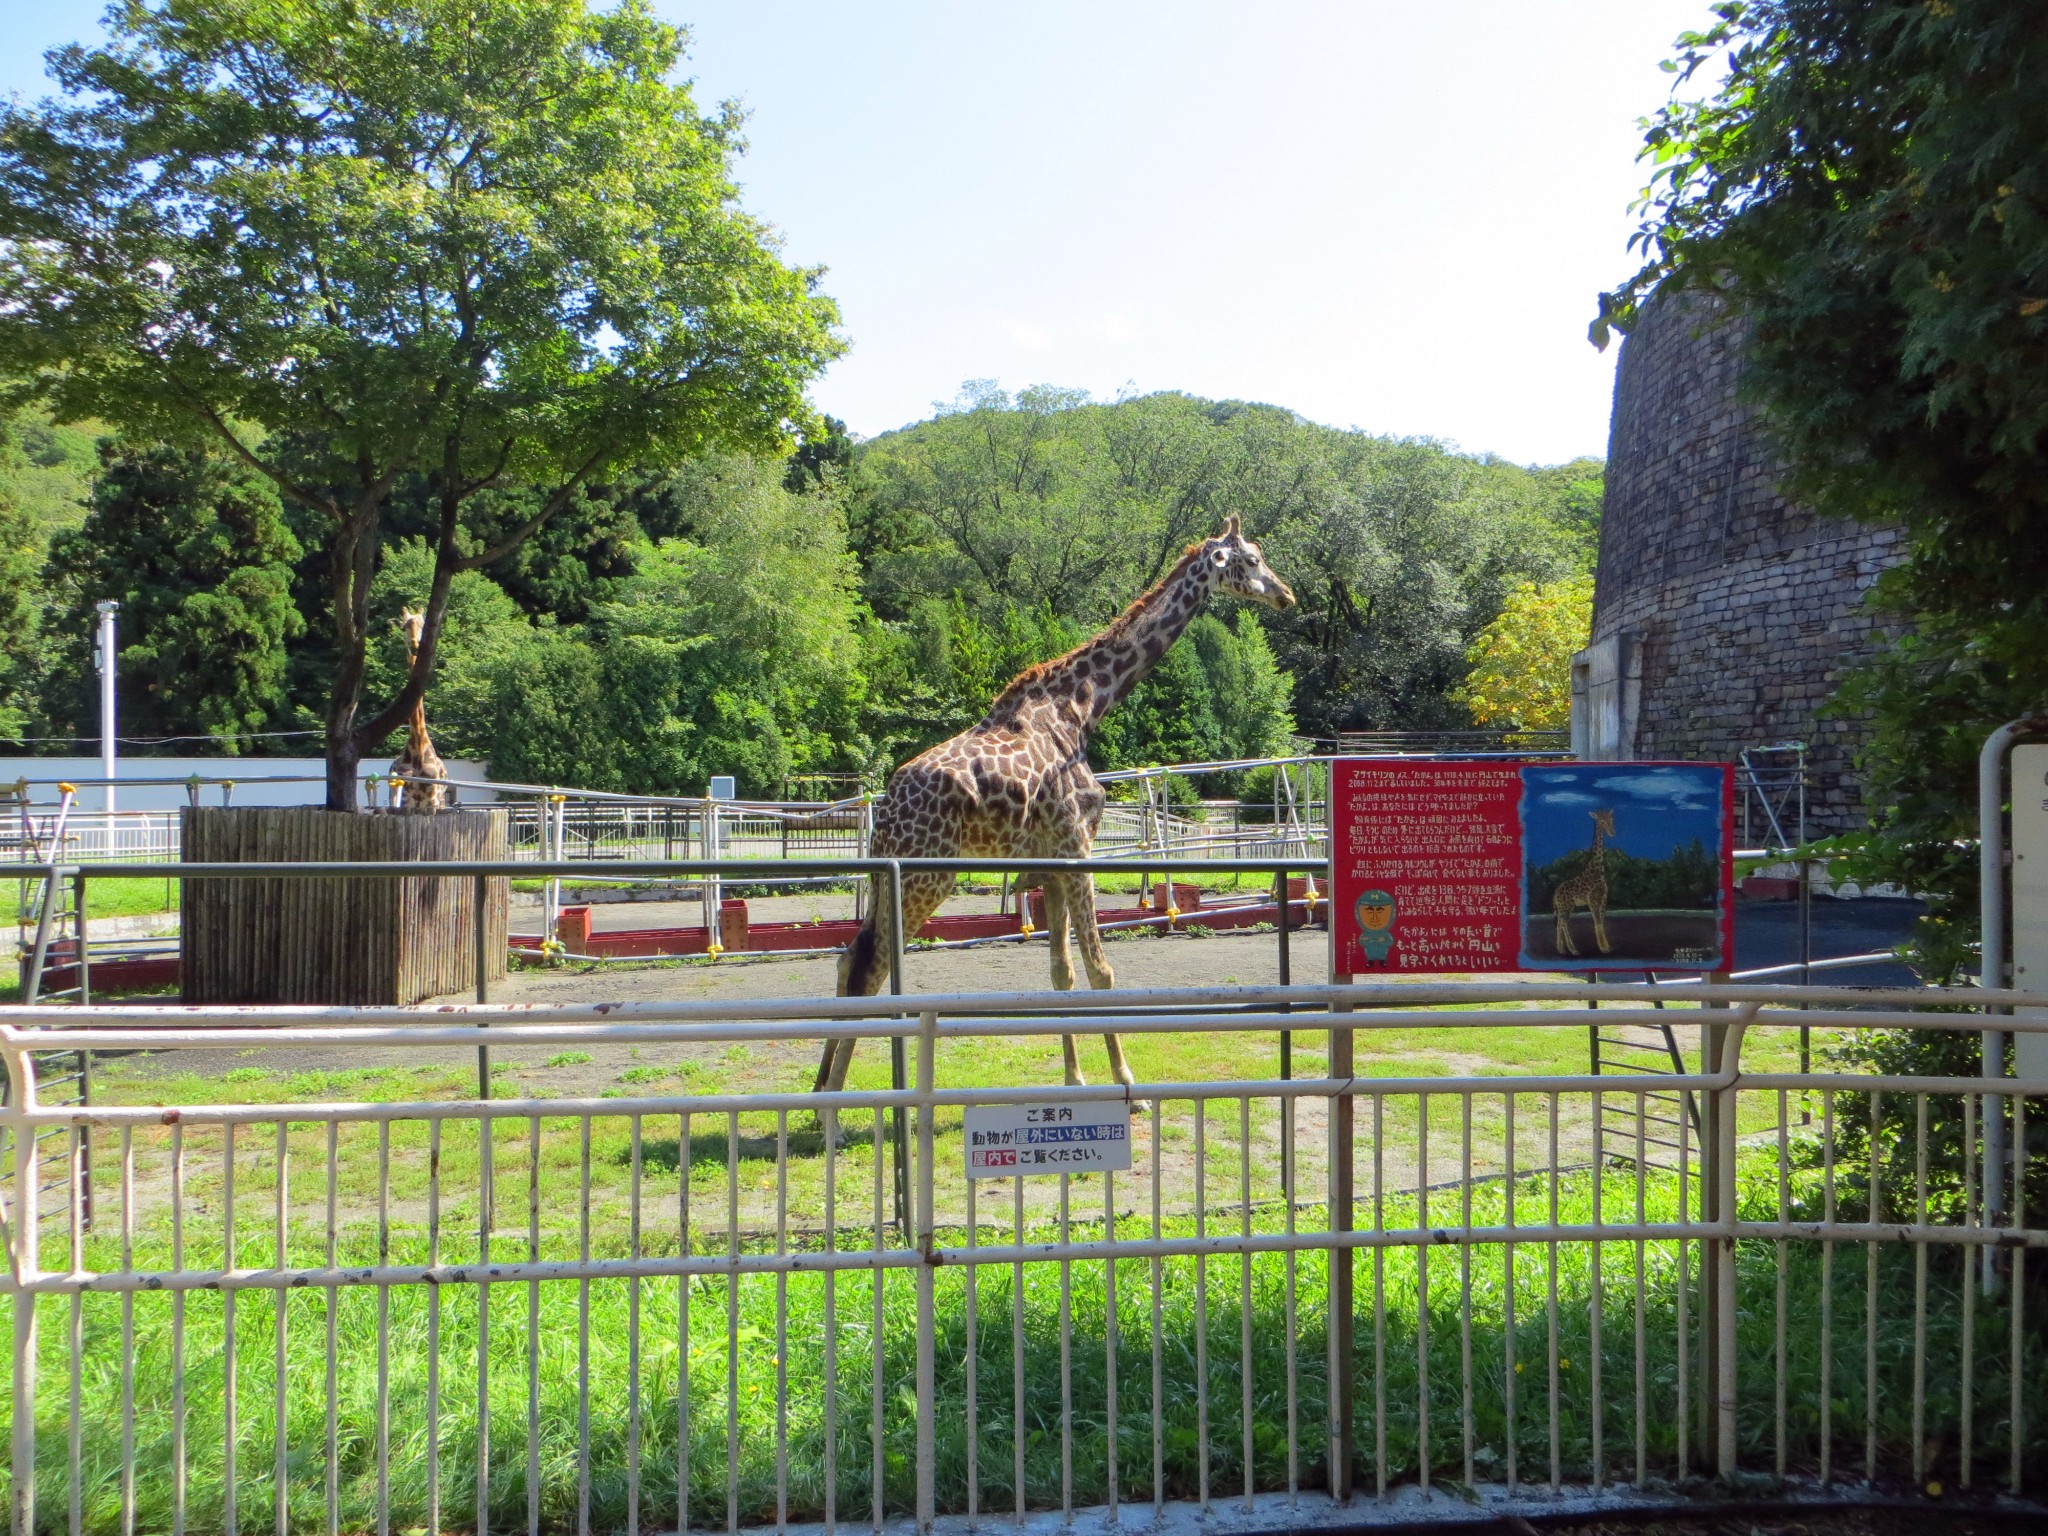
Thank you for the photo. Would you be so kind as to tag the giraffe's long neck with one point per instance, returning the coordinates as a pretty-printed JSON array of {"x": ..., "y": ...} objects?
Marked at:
[
  {"x": 416, "y": 737},
  {"x": 1100, "y": 674}
]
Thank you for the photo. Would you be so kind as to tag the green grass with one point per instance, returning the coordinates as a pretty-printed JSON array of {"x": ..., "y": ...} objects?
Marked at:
[
  {"x": 582, "y": 1182},
  {"x": 1469, "y": 1041},
  {"x": 119, "y": 896},
  {"x": 731, "y": 1327}
]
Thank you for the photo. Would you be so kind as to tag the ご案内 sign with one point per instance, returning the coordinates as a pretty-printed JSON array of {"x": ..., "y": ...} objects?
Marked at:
[
  {"x": 1447, "y": 867},
  {"x": 1008, "y": 1139}
]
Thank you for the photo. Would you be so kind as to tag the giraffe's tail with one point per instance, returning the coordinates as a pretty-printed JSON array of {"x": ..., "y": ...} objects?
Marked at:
[{"x": 857, "y": 976}]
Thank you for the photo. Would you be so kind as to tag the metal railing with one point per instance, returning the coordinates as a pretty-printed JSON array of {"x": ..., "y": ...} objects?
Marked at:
[{"x": 680, "y": 1310}]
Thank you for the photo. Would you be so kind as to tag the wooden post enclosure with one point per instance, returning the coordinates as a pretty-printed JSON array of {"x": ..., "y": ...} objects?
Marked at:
[{"x": 338, "y": 941}]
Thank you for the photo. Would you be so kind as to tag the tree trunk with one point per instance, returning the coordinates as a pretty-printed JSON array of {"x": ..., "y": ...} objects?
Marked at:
[
  {"x": 343, "y": 758},
  {"x": 350, "y": 559}
]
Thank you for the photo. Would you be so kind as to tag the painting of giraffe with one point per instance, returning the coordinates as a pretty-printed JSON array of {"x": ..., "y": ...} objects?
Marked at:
[
  {"x": 1626, "y": 866},
  {"x": 1588, "y": 889},
  {"x": 1016, "y": 784}
]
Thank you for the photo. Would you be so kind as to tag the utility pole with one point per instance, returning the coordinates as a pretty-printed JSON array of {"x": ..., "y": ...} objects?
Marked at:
[{"x": 106, "y": 665}]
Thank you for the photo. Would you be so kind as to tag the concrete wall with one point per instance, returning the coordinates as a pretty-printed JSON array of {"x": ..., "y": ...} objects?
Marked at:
[{"x": 1736, "y": 610}]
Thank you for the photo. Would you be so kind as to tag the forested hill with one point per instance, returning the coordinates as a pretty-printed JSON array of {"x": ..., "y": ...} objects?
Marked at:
[
  {"x": 1400, "y": 550},
  {"x": 831, "y": 613}
]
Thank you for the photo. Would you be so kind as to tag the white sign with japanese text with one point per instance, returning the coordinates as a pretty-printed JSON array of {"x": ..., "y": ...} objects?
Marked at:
[{"x": 1008, "y": 1139}]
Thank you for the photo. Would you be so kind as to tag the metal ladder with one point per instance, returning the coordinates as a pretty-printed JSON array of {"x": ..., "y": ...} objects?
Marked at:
[
  {"x": 1622, "y": 1053},
  {"x": 48, "y": 910},
  {"x": 1772, "y": 784}
]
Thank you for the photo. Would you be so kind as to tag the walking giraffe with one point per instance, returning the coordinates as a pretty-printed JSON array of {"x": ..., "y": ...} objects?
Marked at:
[
  {"x": 1017, "y": 784},
  {"x": 1587, "y": 888},
  {"x": 419, "y": 760}
]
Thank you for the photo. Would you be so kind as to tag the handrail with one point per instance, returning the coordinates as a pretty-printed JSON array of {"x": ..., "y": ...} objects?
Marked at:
[{"x": 746, "y": 870}]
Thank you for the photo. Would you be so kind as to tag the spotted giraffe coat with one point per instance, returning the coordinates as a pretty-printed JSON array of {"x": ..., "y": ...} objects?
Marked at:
[{"x": 1017, "y": 784}]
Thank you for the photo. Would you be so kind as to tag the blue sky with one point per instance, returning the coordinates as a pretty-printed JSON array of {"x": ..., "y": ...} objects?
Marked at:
[
  {"x": 1390, "y": 216},
  {"x": 1656, "y": 808}
]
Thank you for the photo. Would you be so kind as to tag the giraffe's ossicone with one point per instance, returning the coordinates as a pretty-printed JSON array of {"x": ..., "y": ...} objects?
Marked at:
[{"x": 1017, "y": 784}]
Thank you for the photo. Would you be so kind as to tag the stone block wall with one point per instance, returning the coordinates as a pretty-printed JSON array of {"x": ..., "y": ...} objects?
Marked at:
[{"x": 1745, "y": 607}]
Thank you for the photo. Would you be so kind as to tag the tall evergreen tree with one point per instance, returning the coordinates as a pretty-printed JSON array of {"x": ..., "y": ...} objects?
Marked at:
[
  {"x": 198, "y": 554},
  {"x": 21, "y": 602}
]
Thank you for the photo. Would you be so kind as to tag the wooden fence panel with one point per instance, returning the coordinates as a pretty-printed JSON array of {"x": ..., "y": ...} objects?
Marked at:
[{"x": 359, "y": 941}]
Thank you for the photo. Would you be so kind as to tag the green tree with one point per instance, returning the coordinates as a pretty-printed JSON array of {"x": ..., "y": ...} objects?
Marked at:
[
  {"x": 21, "y": 550},
  {"x": 486, "y": 243},
  {"x": 1521, "y": 675},
  {"x": 1399, "y": 550},
  {"x": 1247, "y": 690},
  {"x": 822, "y": 455},
  {"x": 734, "y": 651},
  {"x": 197, "y": 552},
  {"x": 1867, "y": 195},
  {"x": 484, "y": 632},
  {"x": 1867, "y": 191},
  {"x": 48, "y": 466},
  {"x": 548, "y": 702},
  {"x": 1168, "y": 718}
]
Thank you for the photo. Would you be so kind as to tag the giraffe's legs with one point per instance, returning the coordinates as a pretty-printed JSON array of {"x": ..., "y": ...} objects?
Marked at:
[
  {"x": 923, "y": 891},
  {"x": 1057, "y": 925},
  {"x": 1058, "y": 920},
  {"x": 1599, "y": 911},
  {"x": 1565, "y": 944},
  {"x": 1080, "y": 893}
]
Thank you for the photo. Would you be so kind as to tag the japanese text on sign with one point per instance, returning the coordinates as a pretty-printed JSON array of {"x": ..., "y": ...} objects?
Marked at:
[
  {"x": 1008, "y": 1139},
  {"x": 1442, "y": 852}
]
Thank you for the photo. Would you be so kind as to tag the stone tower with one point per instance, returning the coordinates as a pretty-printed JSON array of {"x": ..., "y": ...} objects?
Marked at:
[{"x": 1723, "y": 615}]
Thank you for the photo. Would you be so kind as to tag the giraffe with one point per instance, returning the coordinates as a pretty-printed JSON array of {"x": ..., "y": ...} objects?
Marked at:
[
  {"x": 1587, "y": 888},
  {"x": 1017, "y": 784},
  {"x": 419, "y": 760}
]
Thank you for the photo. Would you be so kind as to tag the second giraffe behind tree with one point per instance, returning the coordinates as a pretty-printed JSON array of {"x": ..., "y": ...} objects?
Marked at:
[{"x": 1017, "y": 784}]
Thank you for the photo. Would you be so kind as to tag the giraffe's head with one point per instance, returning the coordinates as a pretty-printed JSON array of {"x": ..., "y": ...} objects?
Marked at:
[
  {"x": 1604, "y": 820},
  {"x": 1242, "y": 571},
  {"x": 412, "y": 623}
]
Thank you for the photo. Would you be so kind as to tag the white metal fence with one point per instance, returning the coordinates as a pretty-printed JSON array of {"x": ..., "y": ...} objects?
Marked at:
[{"x": 697, "y": 1310}]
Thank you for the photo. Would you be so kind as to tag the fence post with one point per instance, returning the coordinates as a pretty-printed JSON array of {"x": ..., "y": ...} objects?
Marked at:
[
  {"x": 899, "y": 1132},
  {"x": 551, "y": 840},
  {"x": 1342, "y": 1365},
  {"x": 26, "y": 1264},
  {"x": 927, "y": 1473},
  {"x": 1718, "y": 1045},
  {"x": 481, "y": 928},
  {"x": 1286, "y": 1043},
  {"x": 78, "y": 933}
]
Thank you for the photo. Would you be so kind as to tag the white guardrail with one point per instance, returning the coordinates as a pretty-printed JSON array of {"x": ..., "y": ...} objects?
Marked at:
[{"x": 681, "y": 1309}]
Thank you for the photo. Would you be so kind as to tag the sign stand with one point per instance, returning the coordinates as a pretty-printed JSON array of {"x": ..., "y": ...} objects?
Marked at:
[{"x": 1490, "y": 867}]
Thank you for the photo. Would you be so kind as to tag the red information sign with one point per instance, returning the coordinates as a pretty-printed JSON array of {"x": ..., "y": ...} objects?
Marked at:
[{"x": 1462, "y": 867}]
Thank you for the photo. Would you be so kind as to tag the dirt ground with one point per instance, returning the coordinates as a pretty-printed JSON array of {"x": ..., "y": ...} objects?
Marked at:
[{"x": 1243, "y": 958}]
